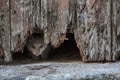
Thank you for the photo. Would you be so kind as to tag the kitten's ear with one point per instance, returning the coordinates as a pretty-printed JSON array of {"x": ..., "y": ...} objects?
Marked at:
[
  {"x": 30, "y": 39},
  {"x": 31, "y": 36}
]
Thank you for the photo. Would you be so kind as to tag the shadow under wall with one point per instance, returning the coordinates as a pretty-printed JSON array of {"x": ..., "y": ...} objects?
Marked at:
[{"x": 67, "y": 51}]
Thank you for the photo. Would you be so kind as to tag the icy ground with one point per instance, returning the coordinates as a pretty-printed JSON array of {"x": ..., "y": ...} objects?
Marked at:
[{"x": 61, "y": 71}]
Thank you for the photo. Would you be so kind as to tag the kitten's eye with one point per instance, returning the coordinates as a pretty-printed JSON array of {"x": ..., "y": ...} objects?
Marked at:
[
  {"x": 41, "y": 46},
  {"x": 33, "y": 46}
]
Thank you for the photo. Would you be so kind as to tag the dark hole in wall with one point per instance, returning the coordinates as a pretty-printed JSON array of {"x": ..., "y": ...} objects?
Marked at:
[{"x": 67, "y": 51}]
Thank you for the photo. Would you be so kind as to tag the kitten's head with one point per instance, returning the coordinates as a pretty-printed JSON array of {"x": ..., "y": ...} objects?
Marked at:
[{"x": 36, "y": 46}]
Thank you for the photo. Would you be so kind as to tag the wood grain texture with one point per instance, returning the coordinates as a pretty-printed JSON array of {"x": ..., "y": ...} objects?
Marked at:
[{"x": 94, "y": 23}]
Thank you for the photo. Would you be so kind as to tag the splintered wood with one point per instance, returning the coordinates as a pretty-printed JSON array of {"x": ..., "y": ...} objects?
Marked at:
[{"x": 94, "y": 23}]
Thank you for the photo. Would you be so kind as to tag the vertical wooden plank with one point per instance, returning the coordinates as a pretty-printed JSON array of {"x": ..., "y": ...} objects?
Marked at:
[
  {"x": 56, "y": 20},
  {"x": 44, "y": 22},
  {"x": 60, "y": 18},
  {"x": 79, "y": 31},
  {"x": 37, "y": 14},
  {"x": 72, "y": 15},
  {"x": 6, "y": 30},
  {"x": 1, "y": 25},
  {"x": 21, "y": 23},
  {"x": 93, "y": 33},
  {"x": 1, "y": 22},
  {"x": 104, "y": 30},
  {"x": 116, "y": 29}
]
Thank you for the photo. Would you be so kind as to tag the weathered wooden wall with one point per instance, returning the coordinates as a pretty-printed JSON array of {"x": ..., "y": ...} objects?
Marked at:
[
  {"x": 5, "y": 29},
  {"x": 16, "y": 25},
  {"x": 54, "y": 20},
  {"x": 116, "y": 27},
  {"x": 95, "y": 24},
  {"x": 94, "y": 29}
]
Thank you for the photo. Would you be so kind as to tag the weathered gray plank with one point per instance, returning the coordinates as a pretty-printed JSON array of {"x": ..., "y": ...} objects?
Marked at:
[
  {"x": 1, "y": 25},
  {"x": 21, "y": 23},
  {"x": 95, "y": 24},
  {"x": 93, "y": 33},
  {"x": 54, "y": 20},
  {"x": 6, "y": 30},
  {"x": 116, "y": 29}
]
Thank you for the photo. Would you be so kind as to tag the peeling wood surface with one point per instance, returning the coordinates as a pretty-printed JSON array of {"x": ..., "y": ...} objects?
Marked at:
[
  {"x": 1, "y": 24},
  {"x": 116, "y": 28},
  {"x": 21, "y": 23},
  {"x": 95, "y": 24},
  {"x": 6, "y": 31},
  {"x": 55, "y": 20},
  {"x": 94, "y": 29},
  {"x": 96, "y": 33}
]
